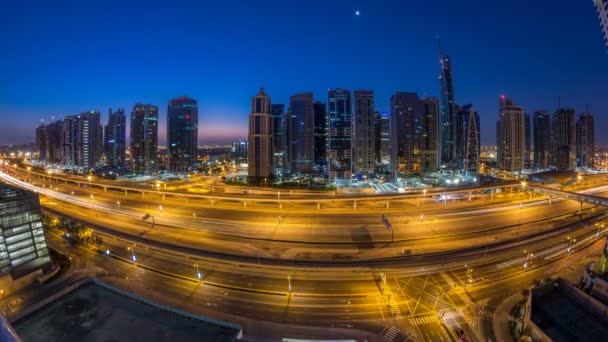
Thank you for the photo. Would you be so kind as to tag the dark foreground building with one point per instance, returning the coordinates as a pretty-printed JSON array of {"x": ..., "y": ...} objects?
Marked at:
[{"x": 23, "y": 248}]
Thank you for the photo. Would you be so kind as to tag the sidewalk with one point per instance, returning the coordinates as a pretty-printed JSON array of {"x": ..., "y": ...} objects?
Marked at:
[{"x": 500, "y": 323}]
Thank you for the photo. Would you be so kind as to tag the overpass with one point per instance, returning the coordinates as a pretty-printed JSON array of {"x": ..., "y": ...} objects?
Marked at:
[{"x": 581, "y": 197}]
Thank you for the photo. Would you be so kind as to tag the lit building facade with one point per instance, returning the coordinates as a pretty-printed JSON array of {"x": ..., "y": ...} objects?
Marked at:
[
  {"x": 585, "y": 141},
  {"x": 301, "y": 133},
  {"x": 260, "y": 145},
  {"x": 320, "y": 153},
  {"x": 511, "y": 144},
  {"x": 279, "y": 139},
  {"x": 364, "y": 137},
  {"x": 447, "y": 113},
  {"x": 23, "y": 247},
  {"x": 429, "y": 137},
  {"x": 339, "y": 147},
  {"x": 542, "y": 140},
  {"x": 115, "y": 138},
  {"x": 144, "y": 138},
  {"x": 405, "y": 147},
  {"x": 182, "y": 134},
  {"x": 564, "y": 139}
]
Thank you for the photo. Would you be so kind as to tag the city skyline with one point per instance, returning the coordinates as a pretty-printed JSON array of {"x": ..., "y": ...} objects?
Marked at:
[{"x": 26, "y": 95}]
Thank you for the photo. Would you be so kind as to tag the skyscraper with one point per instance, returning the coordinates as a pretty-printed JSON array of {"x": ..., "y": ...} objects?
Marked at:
[
  {"x": 339, "y": 148},
  {"x": 144, "y": 138},
  {"x": 69, "y": 139},
  {"x": 503, "y": 101},
  {"x": 542, "y": 140},
  {"x": 405, "y": 157},
  {"x": 564, "y": 139},
  {"x": 365, "y": 160},
  {"x": 320, "y": 153},
  {"x": 602, "y": 12},
  {"x": 511, "y": 138},
  {"x": 41, "y": 142},
  {"x": 585, "y": 141},
  {"x": 115, "y": 138},
  {"x": 279, "y": 137},
  {"x": 54, "y": 153},
  {"x": 182, "y": 134},
  {"x": 90, "y": 139},
  {"x": 468, "y": 133},
  {"x": 528, "y": 129},
  {"x": 301, "y": 133},
  {"x": 385, "y": 138},
  {"x": 429, "y": 137},
  {"x": 260, "y": 145},
  {"x": 447, "y": 114}
]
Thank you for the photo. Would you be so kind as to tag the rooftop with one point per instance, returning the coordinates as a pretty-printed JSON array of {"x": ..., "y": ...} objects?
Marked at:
[
  {"x": 565, "y": 313},
  {"x": 97, "y": 312}
]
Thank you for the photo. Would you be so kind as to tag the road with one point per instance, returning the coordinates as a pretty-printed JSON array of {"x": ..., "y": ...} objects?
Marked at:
[{"x": 347, "y": 277}]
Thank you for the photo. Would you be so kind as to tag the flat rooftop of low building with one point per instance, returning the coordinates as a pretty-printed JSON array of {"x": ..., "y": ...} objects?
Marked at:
[
  {"x": 97, "y": 312},
  {"x": 568, "y": 314}
]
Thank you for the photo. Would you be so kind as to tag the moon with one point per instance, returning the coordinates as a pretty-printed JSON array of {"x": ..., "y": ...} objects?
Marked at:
[{"x": 357, "y": 13}]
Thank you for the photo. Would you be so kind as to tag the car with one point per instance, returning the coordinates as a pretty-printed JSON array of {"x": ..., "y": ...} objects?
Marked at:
[{"x": 461, "y": 335}]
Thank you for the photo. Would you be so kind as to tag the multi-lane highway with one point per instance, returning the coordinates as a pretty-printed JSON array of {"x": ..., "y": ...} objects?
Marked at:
[{"x": 447, "y": 264}]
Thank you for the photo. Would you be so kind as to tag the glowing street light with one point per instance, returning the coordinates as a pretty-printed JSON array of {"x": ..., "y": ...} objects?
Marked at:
[
  {"x": 571, "y": 241},
  {"x": 198, "y": 272},
  {"x": 529, "y": 256},
  {"x": 118, "y": 204},
  {"x": 132, "y": 249}
]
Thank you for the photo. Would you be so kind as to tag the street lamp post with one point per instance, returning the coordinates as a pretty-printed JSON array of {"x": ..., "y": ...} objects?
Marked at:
[
  {"x": 198, "y": 272},
  {"x": 528, "y": 258},
  {"x": 132, "y": 249},
  {"x": 571, "y": 241},
  {"x": 118, "y": 204}
]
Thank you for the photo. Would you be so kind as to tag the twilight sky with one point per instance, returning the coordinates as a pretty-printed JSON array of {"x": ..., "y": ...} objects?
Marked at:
[{"x": 65, "y": 57}]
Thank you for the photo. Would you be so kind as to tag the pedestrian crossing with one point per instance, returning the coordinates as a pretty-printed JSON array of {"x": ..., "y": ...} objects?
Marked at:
[
  {"x": 393, "y": 334},
  {"x": 422, "y": 320},
  {"x": 484, "y": 313}
]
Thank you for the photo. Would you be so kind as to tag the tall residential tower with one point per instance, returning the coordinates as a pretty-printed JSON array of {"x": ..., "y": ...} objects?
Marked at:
[
  {"x": 182, "y": 134},
  {"x": 144, "y": 138},
  {"x": 260, "y": 145}
]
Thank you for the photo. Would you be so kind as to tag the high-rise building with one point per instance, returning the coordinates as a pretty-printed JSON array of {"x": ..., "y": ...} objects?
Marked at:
[
  {"x": 69, "y": 139},
  {"x": 542, "y": 140},
  {"x": 279, "y": 138},
  {"x": 339, "y": 147},
  {"x": 320, "y": 153},
  {"x": 528, "y": 129},
  {"x": 54, "y": 153},
  {"x": 503, "y": 101},
  {"x": 377, "y": 136},
  {"x": 144, "y": 138},
  {"x": 239, "y": 152},
  {"x": 115, "y": 137},
  {"x": 41, "y": 141},
  {"x": 429, "y": 137},
  {"x": 447, "y": 114},
  {"x": 468, "y": 139},
  {"x": 564, "y": 139},
  {"x": 23, "y": 247},
  {"x": 385, "y": 138},
  {"x": 602, "y": 12},
  {"x": 301, "y": 133},
  {"x": 511, "y": 138},
  {"x": 260, "y": 145},
  {"x": 182, "y": 134},
  {"x": 585, "y": 141},
  {"x": 405, "y": 156},
  {"x": 364, "y": 137},
  {"x": 89, "y": 146}
]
